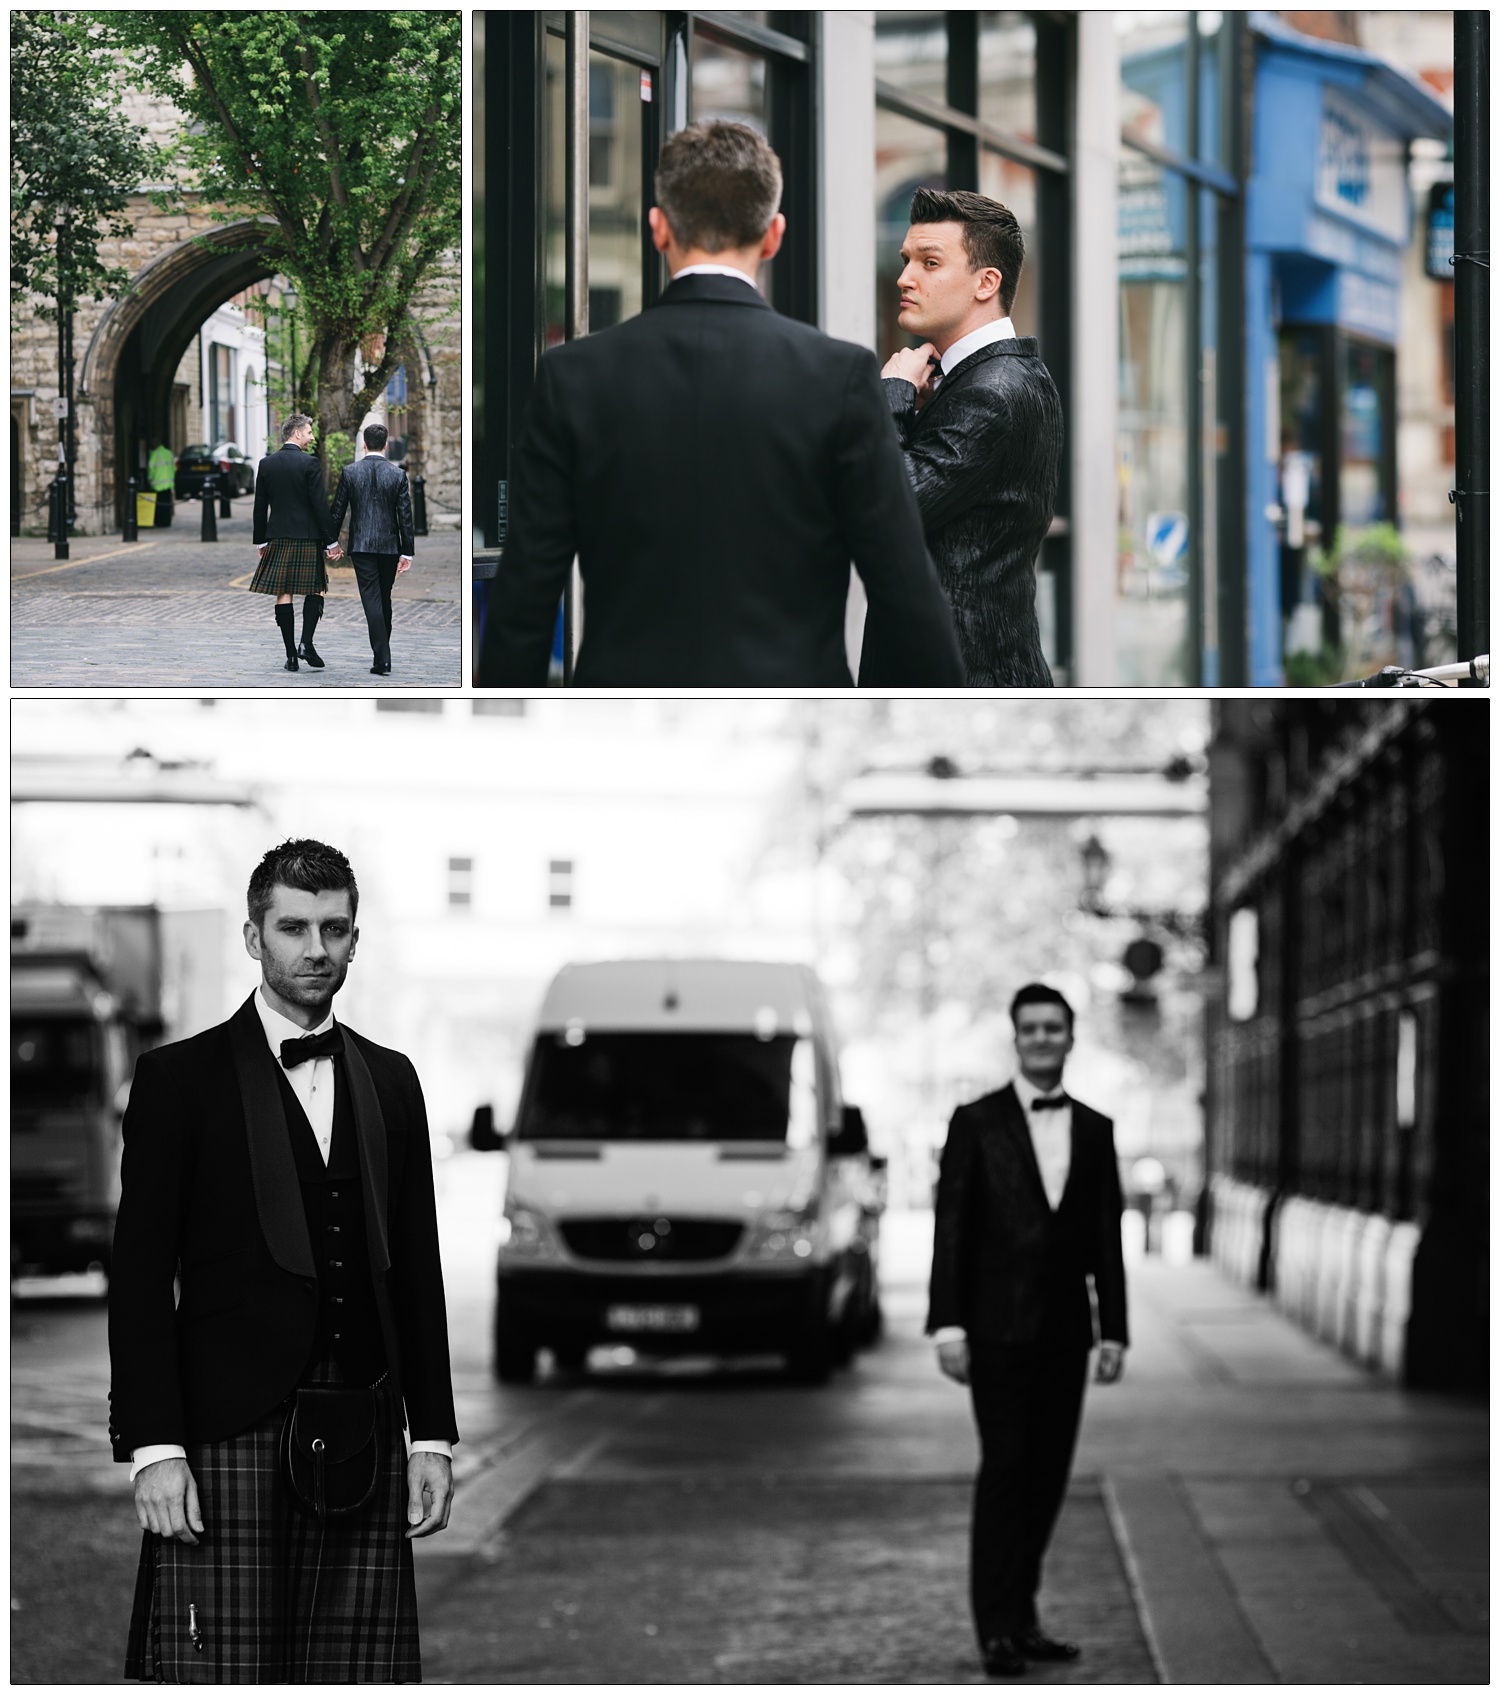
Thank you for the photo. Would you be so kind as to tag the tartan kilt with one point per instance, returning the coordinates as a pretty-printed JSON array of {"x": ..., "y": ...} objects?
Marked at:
[
  {"x": 279, "y": 1597},
  {"x": 291, "y": 567}
]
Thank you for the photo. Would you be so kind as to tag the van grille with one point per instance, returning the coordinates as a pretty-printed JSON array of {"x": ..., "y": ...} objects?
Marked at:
[{"x": 652, "y": 1238}]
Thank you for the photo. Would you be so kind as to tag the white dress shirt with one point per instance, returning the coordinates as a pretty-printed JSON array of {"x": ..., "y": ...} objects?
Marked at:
[
  {"x": 312, "y": 1084},
  {"x": 1000, "y": 330},
  {"x": 706, "y": 270},
  {"x": 1051, "y": 1142}
]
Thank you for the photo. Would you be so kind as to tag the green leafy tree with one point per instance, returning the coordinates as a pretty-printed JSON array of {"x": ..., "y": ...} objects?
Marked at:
[
  {"x": 343, "y": 132},
  {"x": 74, "y": 162}
]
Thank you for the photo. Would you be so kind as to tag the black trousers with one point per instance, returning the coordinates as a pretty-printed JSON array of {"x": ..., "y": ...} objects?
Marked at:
[
  {"x": 375, "y": 573},
  {"x": 1028, "y": 1398}
]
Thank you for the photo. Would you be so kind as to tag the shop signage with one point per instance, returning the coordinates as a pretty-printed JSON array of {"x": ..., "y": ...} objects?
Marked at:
[
  {"x": 1439, "y": 243},
  {"x": 1361, "y": 169}
]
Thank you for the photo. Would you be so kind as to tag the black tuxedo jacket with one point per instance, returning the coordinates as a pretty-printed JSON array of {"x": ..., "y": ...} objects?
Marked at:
[
  {"x": 984, "y": 456},
  {"x": 290, "y": 504},
  {"x": 716, "y": 468},
  {"x": 377, "y": 497},
  {"x": 1004, "y": 1265},
  {"x": 209, "y": 1195}
]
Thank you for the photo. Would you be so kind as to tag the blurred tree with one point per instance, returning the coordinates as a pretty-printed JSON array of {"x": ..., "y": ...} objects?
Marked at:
[
  {"x": 74, "y": 162},
  {"x": 343, "y": 130}
]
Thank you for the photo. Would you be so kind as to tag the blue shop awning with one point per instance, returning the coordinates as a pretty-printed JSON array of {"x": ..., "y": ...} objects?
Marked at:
[{"x": 1402, "y": 103}]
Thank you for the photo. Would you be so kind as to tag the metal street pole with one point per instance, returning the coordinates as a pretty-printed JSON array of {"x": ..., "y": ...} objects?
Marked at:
[
  {"x": 1471, "y": 325},
  {"x": 576, "y": 224}
]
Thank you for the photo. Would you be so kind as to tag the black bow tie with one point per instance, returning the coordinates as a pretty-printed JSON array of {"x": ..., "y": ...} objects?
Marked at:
[
  {"x": 1043, "y": 1103},
  {"x": 297, "y": 1050}
]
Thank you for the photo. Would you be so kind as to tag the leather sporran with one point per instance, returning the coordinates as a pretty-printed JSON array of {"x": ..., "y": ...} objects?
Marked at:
[{"x": 331, "y": 1449}]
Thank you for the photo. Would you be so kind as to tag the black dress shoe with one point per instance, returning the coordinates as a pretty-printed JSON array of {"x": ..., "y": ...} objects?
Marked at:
[
  {"x": 1003, "y": 1657},
  {"x": 1035, "y": 1646},
  {"x": 311, "y": 655},
  {"x": 380, "y": 670},
  {"x": 291, "y": 662}
]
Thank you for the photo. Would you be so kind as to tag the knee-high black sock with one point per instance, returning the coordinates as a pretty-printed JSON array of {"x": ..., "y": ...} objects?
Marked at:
[{"x": 286, "y": 620}]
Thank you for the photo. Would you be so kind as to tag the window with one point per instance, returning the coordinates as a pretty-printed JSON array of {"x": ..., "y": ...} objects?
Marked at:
[
  {"x": 222, "y": 412},
  {"x": 1177, "y": 212},
  {"x": 560, "y": 884},
  {"x": 460, "y": 884}
]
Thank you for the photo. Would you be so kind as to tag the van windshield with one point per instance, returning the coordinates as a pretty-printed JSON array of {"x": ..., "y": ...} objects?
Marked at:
[{"x": 656, "y": 1086}]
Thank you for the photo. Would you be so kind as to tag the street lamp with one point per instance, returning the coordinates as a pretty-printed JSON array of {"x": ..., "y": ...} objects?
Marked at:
[{"x": 289, "y": 296}]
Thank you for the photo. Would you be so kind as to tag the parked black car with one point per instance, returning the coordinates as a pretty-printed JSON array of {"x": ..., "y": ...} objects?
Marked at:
[{"x": 236, "y": 472}]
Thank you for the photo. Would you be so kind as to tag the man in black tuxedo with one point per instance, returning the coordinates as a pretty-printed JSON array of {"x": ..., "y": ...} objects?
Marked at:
[
  {"x": 981, "y": 429},
  {"x": 293, "y": 531},
  {"x": 715, "y": 468},
  {"x": 278, "y": 1168},
  {"x": 1028, "y": 1210},
  {"x": 377, "y": 498}
]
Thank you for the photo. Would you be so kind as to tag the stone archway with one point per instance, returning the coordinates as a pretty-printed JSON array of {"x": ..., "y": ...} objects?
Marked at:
[{"x": 137, "y": 345}]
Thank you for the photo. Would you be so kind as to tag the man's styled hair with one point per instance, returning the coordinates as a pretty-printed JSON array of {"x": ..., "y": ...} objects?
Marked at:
[
  {"x": 293, "y": 424},
  {"x": 719, "y": 185},
  {"x": 1039, "y": 994},
  {"x": 301, "y": 864},
  {"x": 375, "y": 437},
  {"x": 991, "y": 234}
]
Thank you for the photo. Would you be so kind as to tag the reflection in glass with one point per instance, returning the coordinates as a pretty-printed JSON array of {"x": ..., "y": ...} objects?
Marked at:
[
  {"x": 616, "y": 218},
  {"x": 908, "y": 156},
  {"x": 1361, "y": 437},
  {"x": 1007, "y": 72},
  {"x": 1152, "y": 620},
  {"x": 1153, "y": 95},
  {"x": 1213, "y": 53},
  {"x": 911, "y": 52},
  {"x": 1014, "y": 186}
]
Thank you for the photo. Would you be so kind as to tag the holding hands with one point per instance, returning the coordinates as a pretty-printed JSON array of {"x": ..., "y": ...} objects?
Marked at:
[{"x": 403, "y": 563}]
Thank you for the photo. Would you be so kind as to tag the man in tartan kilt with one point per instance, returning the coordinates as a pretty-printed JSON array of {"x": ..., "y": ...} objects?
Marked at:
[
  {"x": 278, "y": 1168},
  {"x": 292, "y": 530}
]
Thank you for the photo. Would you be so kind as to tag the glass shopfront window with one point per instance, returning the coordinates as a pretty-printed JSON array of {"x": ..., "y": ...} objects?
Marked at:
[
  {"x": 728, "y": 83},
  {"x": 1153, "y": 99},
  {"x": 911, "y": 52},
  {"x": 1007, "y": 73}
]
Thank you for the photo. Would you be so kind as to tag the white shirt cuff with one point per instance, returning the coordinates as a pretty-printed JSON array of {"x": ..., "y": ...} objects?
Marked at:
[
  {"x": 949, "y": 1333},
  {"x": 140, "y": 1458},
  {"x": 433, "y": 1447}
]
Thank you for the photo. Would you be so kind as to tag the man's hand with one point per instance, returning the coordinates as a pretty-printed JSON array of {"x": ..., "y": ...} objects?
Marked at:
[
  {"x": 335, "y": 552},
  {"x": 1111, "y": 1364},
  {"x": 913, "y": 365},
  {"x": 403, "y": 563},
  {"x": 166, "y": 1500},
  {"x": 953, "y": 1359},
  {"x": 263, "y": 546},
  {"x": 429, "y": 1494}
]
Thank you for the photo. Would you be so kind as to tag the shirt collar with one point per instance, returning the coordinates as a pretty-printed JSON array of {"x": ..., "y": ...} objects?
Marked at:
[
  {"x": 707, "y": 270},
  {"x": 1000, "y": 330},
  {"x": 280, "y": 1029},
  {"x": 1028, "y": 1093}
]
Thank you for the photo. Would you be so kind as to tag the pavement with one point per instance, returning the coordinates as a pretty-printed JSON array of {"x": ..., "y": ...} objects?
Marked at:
[
  {"x": 1246, "y": 1506},
  {"x": 170, "y": 610}
]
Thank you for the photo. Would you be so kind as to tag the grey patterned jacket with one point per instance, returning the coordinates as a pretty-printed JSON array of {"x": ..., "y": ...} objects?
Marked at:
[{"x": 376, "y": 495}]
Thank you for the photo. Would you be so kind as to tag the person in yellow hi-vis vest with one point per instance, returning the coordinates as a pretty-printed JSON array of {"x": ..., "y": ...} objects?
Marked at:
[{"x": 161, "y": 473}]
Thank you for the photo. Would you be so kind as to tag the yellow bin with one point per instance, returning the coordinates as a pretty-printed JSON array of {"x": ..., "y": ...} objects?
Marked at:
[{"x": 145, "y": 511}]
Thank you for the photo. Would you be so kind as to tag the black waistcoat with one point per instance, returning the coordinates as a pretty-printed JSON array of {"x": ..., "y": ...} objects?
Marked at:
[{"x": 332, "y": 1198}]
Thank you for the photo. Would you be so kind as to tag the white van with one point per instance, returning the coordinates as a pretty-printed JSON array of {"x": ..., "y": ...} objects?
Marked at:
[{"x": 684, "y": 1175}]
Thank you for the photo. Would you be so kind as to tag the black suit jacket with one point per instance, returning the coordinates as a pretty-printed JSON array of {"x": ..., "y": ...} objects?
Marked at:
[
  {"x": 290, "y": 504},
  {"x": 1004, "y": 1265},
  {"x": 984, "y": 456},
  {"x": 716, "y": 468},
  {"x": 377, "y": 497},
  {"x": 209, "y": 1195}
]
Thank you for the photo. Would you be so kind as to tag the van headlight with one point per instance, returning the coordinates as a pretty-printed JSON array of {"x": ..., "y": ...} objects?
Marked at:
[
  {"x": 525, "y": 1234},
  {"x": 788, "y": 1237}
]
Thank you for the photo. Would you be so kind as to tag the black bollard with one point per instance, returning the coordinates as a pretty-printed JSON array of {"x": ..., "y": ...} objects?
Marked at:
[
  {"x": 60, "y": 545},
  {"x": 52, "y": 510},
  {"x": 132, "y": 530},
  {"x": 210, "y": 524},
  {"x": 419, "y": 505}
]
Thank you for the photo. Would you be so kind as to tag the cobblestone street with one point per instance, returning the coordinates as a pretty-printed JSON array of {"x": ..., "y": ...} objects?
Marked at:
[
  {"x": 1247, "y": 1507},
  {"x": 172, "y": 611}
]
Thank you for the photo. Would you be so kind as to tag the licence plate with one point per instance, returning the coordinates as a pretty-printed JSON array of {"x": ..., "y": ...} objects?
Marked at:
[{"x": 648, "y": 1318}]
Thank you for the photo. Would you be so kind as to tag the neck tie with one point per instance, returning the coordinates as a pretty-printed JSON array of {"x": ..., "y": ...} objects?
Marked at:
[
  {"x": 297, "y": 1050},
  {"x": 1046, "y": 1103}
]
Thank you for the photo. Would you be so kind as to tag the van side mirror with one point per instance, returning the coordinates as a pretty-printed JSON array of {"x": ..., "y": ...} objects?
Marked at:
[
  {"x": 850, "y": 1139},
  {"x": 483, "y": 1135}
]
